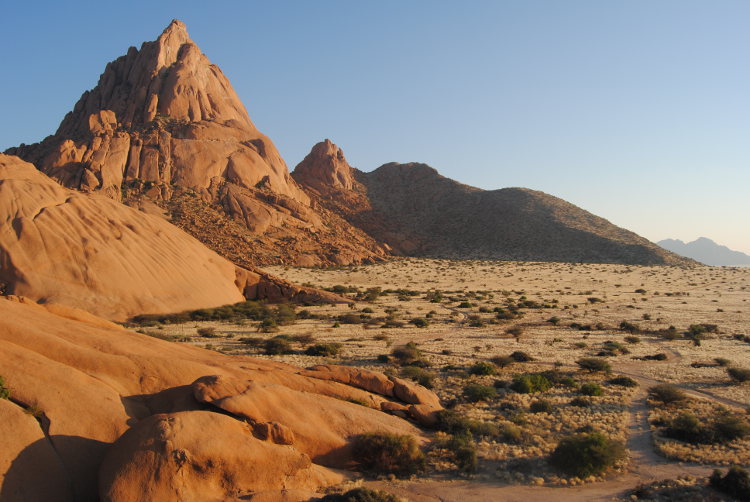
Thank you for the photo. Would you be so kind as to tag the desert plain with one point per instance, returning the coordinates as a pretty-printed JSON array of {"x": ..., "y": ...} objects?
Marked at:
[{"x": 683, "y": 326}]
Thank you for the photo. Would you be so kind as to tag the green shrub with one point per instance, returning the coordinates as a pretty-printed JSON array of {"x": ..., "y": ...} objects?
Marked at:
[
  {"x": 629, "y": 327},
  {"x": 687, "y": 427},
  {"x": 361, "y": 495},
  {"x": 541, "y": 406},
  {"x": 420, "y": 375},
  {"x": 730, "y": 427},
  {"x": 739, "y": 375},
  {"x": 594, "y": 364},
  {"x": 667, "y": 393},
  {"x": 452, "y": 422},
  {"x": 735, "y": 483},
  {"x": 277, "y": 345},
  {"x": 482, "y": 368},
  {"x": 419, "y": 322},
  {"x": 502, "y": 361},
  {"x": 584, "y": 455},
  {"x": 4, "y": 390},
  {"x": 464, "y": 452},
  {"x": 207, "y": 332},
  {"x": 591, "y": 389},
  {"x": 476, "y": 392},
  {"x": 388, "y": 453},
  {"x": 530, "y": 383},
  {"x": 623, "y": 381},
  {"x": 554, "y": 320},
  {"x": 632, "y": 339},
  {"x": 324, "y": 349},
  {"x": 407, "y": 354},
  {"x": 268, "y": 326}
]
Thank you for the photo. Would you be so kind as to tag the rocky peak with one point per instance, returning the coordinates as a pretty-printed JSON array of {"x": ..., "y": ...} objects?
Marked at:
[
  {"x": 167, "y": 78},
  {"x": 325, "y": 168}
]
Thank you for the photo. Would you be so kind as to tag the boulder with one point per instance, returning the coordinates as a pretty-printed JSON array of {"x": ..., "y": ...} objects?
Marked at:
[{"x": 199, "y": 455}]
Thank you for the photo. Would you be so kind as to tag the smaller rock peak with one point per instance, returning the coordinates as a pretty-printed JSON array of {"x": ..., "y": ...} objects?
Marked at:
[{"x": 325, "y": 168}]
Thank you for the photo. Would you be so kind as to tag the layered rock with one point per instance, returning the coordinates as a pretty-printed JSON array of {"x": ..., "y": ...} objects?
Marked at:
[
  {"x": 418, "y": 212},
  {"x": 164, "y": 123},
  {"x": 91, "y": 252},
  {"x": 88, "y": 383}
]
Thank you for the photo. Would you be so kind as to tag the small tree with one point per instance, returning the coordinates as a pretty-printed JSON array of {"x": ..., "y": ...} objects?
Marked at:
[{"x": 586, "y": 455}]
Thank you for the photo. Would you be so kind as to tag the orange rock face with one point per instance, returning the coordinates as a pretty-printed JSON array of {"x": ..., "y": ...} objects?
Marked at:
[
  {"x": 199, "y": 455},
  {"x": 90, "y": 383},
  {"x": 90, "y": 252}
]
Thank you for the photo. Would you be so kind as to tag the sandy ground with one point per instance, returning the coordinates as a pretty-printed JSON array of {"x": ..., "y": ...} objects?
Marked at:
[{"x": 584, "y": 295}]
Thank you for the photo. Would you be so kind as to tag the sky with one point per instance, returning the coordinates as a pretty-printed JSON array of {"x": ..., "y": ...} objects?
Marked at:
[{"x": 635, "y": 110}]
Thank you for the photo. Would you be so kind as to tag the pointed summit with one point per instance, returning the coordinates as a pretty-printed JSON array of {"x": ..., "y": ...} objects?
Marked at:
[
  {"x": 325, "y": 168},
  {"x": 169, "y": 77}
]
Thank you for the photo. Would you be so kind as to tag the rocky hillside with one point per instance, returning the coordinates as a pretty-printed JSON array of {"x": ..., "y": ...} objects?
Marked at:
[
  {"x": 418, "y": 212},
  {"x": 164, "y": 124}
]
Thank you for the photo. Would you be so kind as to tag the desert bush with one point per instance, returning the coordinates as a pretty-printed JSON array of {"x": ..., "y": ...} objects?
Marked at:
[
  {"x": 594, "y": 364},
  {"x": 407, "y": 354},
  {"x": 521, "y": 357},
  {"x": 475, "y": 321},
  {"x": 580, "y": 402},
  {"x": 207, "y": 332},
  {"x": 667, "y": 393},
  {"x": 452, "y": 422},
  {"x": 623, "y": 381},
  {"x": 477, "y": 392},
  {"x": 482, "y": 368},
  {"x": 739, "y": 375},
  {"x": 419, "y": 322},
  {"x": 252, "y": 341},
  {"x": 4, "y": 389},
  {"x": 502, "y": 361},
  {"x": 630, "y": 327},
  {"x": 464, "y": 451},
  {"x": 721, "y": 361},
  {"x": 530, "y": 383},
  {"x": 669, "y": 333},
  {"x": 465, "y": 305},
  {"x": 268, "y": 325},
  {"x": 277, "y": 345},
  {"x": 388, "y": 453},
  {"x": 324, "y": 350},
  {"x": 554, "y": 320},
  {"x": 686, "y": 427},
  {"x": 735, "y": 483},
  {"x": 632, "y": 339},
  {"x": 661, "y": 356},
  {"x": 730, "y": 427},
  {"x": 422, "y": 376},
  {"x": 361, "y": 495},
  {"x": 591, "y": 389},
  {"x": 541, "y": 406},
  {"x": 586, "y": 455},
  {"x": 515, "y": 331},
  {"x": 557, "y": 377}
]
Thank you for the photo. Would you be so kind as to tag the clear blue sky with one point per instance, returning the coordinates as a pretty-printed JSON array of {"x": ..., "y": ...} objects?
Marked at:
[{"x": 638, "y": 111}]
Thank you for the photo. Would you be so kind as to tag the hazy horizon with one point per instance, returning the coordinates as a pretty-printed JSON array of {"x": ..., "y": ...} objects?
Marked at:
[{"x": 635, "y": 111}]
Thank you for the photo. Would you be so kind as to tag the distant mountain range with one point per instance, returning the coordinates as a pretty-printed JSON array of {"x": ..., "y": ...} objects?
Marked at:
[{"x": 706, "y": 251}]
